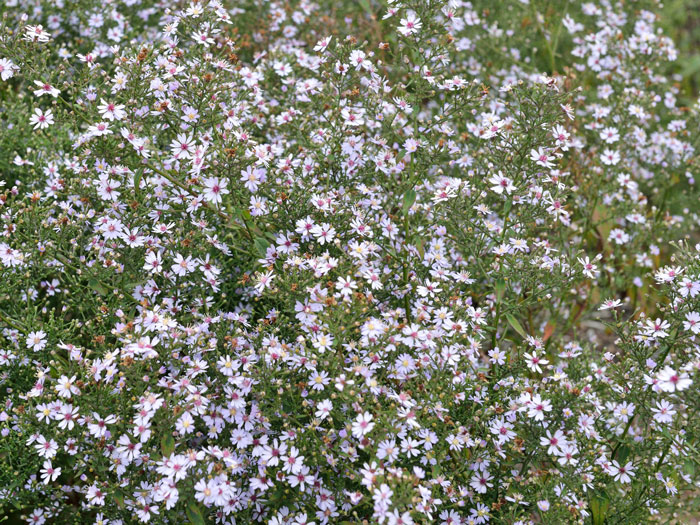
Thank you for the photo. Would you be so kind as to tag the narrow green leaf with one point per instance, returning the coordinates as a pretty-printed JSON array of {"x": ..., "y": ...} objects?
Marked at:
[
  {"x": 623, "y": 451},
  {"x": 261, "y": 245},
  {"x": 276, "y": 496},
  {"x": 194, "y": 514},
  {"x": 516, "y": 325},
  {"x": 167, "y": 445},
  {"x": 409, "y": 198},
  {"x": 366, "y": 7},
  {"x": 420, "y": 245},
  {"x": 689, "y": 467},
  {"x": 97, "y": 286},
  {"x": 500, "y": 289},
  {"x": 506, "y": 207},
  {"x": 119, "y": 498},
  {"x": 599, "y": 504},
  {"x": 137, "y": 181}
]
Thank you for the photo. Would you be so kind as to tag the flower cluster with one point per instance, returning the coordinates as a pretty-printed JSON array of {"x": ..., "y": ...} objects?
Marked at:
[{"x": 318, "y": 262}]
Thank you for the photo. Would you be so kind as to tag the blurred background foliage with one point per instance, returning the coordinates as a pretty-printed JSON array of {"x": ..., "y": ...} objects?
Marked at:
[{"x": 680, "y": 20}]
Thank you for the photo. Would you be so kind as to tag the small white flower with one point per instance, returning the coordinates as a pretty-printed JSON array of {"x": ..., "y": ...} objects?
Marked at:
[
  {"x": 670, "y": 380},
  {"x": 362, "y": 425}
]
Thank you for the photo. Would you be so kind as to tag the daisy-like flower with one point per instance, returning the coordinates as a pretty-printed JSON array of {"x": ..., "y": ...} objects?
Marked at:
[
  {"x": 98, "y": 425},
  {"x": 501, "y": 184},
  {"x": 323, "y": 409},
  {"x": 44, "y": 412},
  {"x": 264, "y": 281},
  {"x": 692, "y": 322},
  {"x": 319, "y": 380},
  {"x": 657, "y": 329},
  {"x": 67, "y": 416},
  {"x": 46, "y": 448},
  {"x": 537, "y": 407},
  {"x": 36, "y": 341},
  {"x": 252, "y": 178},
  {"x": 36, "y": 33},
  {"x": 553, "y": 442},
  {"x": 214, "y": 188},
  {"x": 610, "y": 157},
  {"x": 153, "y": 262},
  {"x": 144, "y": 510},
  {"x": 534, "y": 362},
  {"x": 410, "y": 25},
  {"x": 541, "y": 158},
  {"x": 111, "y": 111},
  {"x": 49, "y": 472},
  {"x": 323, "y": 232},
  {"x": 185, "y": 424},
  {"x": 292, "y": 462},
  {"x": 497, "y": 356},
  {"x": 481, "y": 482},
  {"x": 7, "y": 69},
  {"x": 183, "y": 265},
  {"x": 670, "y": 381},
  {"x": 388, "y": 451},
  {"x": 66, "y": 387},
  {"x": 182, "y": 146},
  {"x": 590, "y": 270},
  {"x": 623, "y": 474},
  {"x": 322, "y": 342},
  {"x": 610, "y": 304},
  {"x": 345, "y": 286},
  {"x": 663, "y": 412},
  {"x": 45, "y": 89},
  {"x": 95, "y": 495},
  {"x": 610, "y": 135},
  {"x": 362, "y": 425},
  {"x": 322, "y": 44},
  {"x": 99, "y": 130}
]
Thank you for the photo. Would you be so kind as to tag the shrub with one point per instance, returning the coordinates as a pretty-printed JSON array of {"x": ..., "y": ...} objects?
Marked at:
[{"x": 346, "y": 262}]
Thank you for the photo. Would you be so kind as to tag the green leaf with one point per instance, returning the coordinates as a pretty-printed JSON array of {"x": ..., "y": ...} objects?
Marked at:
[
  {"x": 276, "y": 496},
  {"x": 689, "y": 467},
  {"x": 366, "y": 7},
  {"x": 97, "y": 286},
  {"x": 516, "y": 325},
  {"x": 623, "y": 451},
  {"x": 409, "y": 198},
  {"x": 506, "y": 207},
  {"x": 599, "y": 503},
  {"x": 119, "y": 498},
  {"x": 420, "y": 246},
  {"x": 194, "y": 514},
  {"x": 500, "y": 289},
  {"x": 261, "y": 245},
  {"x": 167, "y": 445},
  {"x": 137, "y": 181},
  {"x": 691, "y": 65},
  {"x": 133, "y": 284}
]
